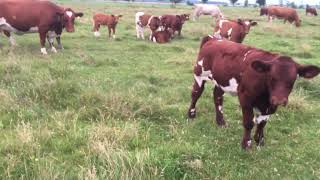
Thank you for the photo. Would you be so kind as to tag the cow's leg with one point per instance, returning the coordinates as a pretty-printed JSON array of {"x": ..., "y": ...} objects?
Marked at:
[
  {"x": 50, "y": 37},
  {"x": 43, "y": 42},
  {"x": 138, "y": 31},
  {"x": 248, "y": 124},
  {"x": 11, "y": 39},
  {"x": 270, "y": 18},
  {"x": 58, "y": 38},
  {"x": 96, "y": 29},
  {"x": 114, "y": 32},
  {"x": 109, "y": 31},
  {"x": 195, "y": 95},
  {"x": 284, "y": 21},
  {"x": 259, "y": 136},
  {"x": 218, "y": 102}
]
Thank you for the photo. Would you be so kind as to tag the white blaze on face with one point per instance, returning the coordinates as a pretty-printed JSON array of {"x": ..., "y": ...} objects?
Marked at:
[
  {"x": 69, "y": 14},
  {"x": 247, "y": 23}
]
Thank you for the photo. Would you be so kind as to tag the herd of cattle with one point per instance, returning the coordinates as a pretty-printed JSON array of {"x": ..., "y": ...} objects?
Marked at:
[{"x": 262, "y": 80}]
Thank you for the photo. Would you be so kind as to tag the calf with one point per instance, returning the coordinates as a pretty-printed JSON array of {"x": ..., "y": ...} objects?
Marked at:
[
  {"x": 104, "y": 19},
  {"x": 206, "y": 9},
  {"x": 262, "y": 81},
  {"x": 311, "y": 11},
  {"x": 143, "y": 20},
  {"x": 43, "y": 17},
  {"x": 234, "y": 30},
  {"x": 174, "y": 22},
  {"x": 162, "y": 36},
  {"x": 286, "y": 13}
]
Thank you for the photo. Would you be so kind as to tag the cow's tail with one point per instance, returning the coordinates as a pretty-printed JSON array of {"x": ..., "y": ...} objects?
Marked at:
[{"x": 205, "y": 40}]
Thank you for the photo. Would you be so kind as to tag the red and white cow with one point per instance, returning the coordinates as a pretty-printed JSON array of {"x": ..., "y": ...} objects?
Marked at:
[
  {"x": 262, "y": 81},
  {"x": 43, "y": 17},
  {"x": 174, "y": 22},
  {"x": 110, "y": 21},
  {"x": 235, "y": 31},
  {"x": 163, "y": 36},
  {"x": 146, "y": 20}
]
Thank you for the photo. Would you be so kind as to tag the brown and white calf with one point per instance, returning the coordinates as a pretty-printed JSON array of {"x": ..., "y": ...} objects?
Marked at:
[
  {"x": 43, "y": 17},
  {"x": 286, "y": 13},
  {"x": 110, "y": 21},
  {"x": 146, "y": 20},
  {"x": 311, "y": 11},
  {"x": 262, "y": 81},
  {"x": 161, "y": 37},
  {"x": 235, "y": 31},
  {"x": 174, "y": 22}
]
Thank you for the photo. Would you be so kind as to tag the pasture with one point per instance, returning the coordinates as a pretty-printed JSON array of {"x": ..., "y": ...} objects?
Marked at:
[{"x": 116, "y": 109}]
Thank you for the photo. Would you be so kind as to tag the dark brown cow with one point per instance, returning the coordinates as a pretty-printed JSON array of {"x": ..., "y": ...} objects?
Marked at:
[
  {"x": 261, "y": 80},
  {"x": 43, "y": 17},
  {"x": 162, "y": 36},
  {"x": 235, "y": 31},
  {"x": 264, "y": 11},
  {"x": 143, "y": 20},
  {"x": 286, "y": 13},
  {"x": 174, "y": 22},
  {"x": 104, "y": 19},
  {"x": 311, "y": 11}
]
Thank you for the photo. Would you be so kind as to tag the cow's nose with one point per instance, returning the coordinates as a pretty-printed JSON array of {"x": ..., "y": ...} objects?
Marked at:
[
  {"x": 70, "y": 30},
  {"x": 279, "y": 101}
]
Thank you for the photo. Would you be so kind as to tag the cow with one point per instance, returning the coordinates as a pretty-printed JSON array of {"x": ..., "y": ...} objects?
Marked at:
[
  {"x": 311, "y": 11},
  {"x": 286, "y": 13},
  {"x": 234, "y": 30},
  {"x": 264, "y": 11},
  {"x": 262, "y": 81},
  {"x": 44, "y": 17},
  {"x": 104, "y": 19},
  {"x": 174, "y": 22},
  {"x": 142, "y": 20},
  {"x": 163, "y": 36},
  {"x": 207, "y": 9}
]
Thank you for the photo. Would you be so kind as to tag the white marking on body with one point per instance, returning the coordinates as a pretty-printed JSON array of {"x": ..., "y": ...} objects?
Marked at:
[
  {"x": 69, "y": 13},
  {"x": 261, "y": 118},
  {"x": 249, "y": 143},
  {"x": 96, "y": 33},
  {"x": 43, "y": 51},
  {"x": 229, "y": 33},
  {"x": 220, "y": 109},
  {"x": 33, "y": 29},
  {"x": 12, "y": 41},
  {"x": 53, "y": 49},
  {"x": 192, "y": 110},
  {"x": 149, "y": 20},
  {"x": 154, "y": 39},
  {"x": 232, "y": 88},
  {"x": 245, "y": 55},
  {"x": 221, "y": 23}
]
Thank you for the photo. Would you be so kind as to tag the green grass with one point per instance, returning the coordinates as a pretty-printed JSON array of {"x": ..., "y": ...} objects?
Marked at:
[{"x": 116, "y": 109}]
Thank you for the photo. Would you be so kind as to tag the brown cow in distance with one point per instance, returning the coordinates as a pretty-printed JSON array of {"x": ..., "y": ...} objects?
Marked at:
[
  {"x": 286, "y": 13},
  {"x": 233, "y": 30},
  {"x": 174, "y": 22},
  {"x": 146, "y": 20},
  {"x": 262, "y": 81},
  {"x": 44, "y": 17},
  {"x": 311, "y": 11},
  {"x": 162, "y": 36},
  {"x": 110, "y": 21}
]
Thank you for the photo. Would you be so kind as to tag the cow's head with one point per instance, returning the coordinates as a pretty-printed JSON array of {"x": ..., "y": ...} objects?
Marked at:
[
  {"x": 115, "y": 19},
  {"x": 281, "y": 76},
  {"x": 298, "y": 22},
  {"x": 155, "y": 23},
  {"x": 67, "y": 17},
  {"x": 184, "y": 17},
  {"x": 263, "y": 11},
  {"x": 246, "y": 24}
]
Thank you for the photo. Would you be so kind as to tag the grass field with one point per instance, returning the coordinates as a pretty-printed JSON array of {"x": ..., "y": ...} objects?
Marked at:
[{"x": 116, "y": 109}]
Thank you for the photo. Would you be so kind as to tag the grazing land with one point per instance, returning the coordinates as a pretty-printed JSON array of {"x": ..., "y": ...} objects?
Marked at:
[{"x": 116, "y": 109}]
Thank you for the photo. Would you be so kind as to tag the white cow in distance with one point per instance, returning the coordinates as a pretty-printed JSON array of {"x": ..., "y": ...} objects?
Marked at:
[{"x": 207, "y": 9}]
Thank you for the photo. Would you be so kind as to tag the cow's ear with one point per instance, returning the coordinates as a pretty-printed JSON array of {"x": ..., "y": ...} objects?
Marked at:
[
  {"x": 240, "y": 21},
  {"x": 260, "y": 66},
  {"x": 253, "y": 23},
  {"x": 308, "y": 71},
  {"x": 79, "y": 14},
  {"x": 120, "y": 15}
]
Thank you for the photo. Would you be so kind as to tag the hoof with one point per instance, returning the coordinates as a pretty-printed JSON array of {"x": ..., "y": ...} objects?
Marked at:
[
  {"x": 192, "y": 113},
  {"x": 222, "y": 123},
  {"x": 246, "y": 145},
  {"x": 60, "y": 47}
]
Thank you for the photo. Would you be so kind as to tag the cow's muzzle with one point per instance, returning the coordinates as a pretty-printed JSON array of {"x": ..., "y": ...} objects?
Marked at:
[{"x": 276, "y": 101}]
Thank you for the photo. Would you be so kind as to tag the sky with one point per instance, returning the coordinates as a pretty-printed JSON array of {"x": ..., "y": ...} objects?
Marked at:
[{"x": 298, "y": 2}]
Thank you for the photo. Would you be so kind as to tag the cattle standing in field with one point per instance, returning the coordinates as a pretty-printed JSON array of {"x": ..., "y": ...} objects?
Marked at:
[
  {"x": 234, "y": 30},
  {"x": 162, "y": 36},
  {"x": 261, "y": 80},
  {"x": 146, "y": 20},
  {"x": 206, "y": 9},
  {"x": 44, "y": 17},
  {"x": 311, "y": 11},
  {"x": 286, "y": 13},
  {"x": 174, "y": 22},
  {"x": 264, "y": 11},
  {"x": 107, "y": 20}
]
